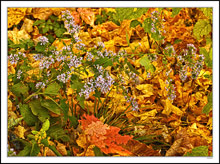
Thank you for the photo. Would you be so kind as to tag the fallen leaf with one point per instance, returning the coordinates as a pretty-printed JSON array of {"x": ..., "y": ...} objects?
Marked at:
[
  {"x": 87, "y": 15},
  {"x": 19, "y": 131},
  {"x": 169, "y": 107},
  {"x": 140, "y": 149},
  {"x": 27, "y": 25},
  {"x": 42, "y": 13},
  {"x": 15, "y": 15},
  {"x": 62, "y": 149}
]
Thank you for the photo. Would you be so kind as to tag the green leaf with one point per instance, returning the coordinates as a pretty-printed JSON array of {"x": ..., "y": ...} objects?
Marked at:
[
  {"x": 51, "y": 106},
  {"x": 13, "y": 122},
  {"x": 135, "y": 23},
  {"x": 53, "y": 89},
  {"x": 207, "y": 12},
  {"x": 81, "y": 101},
  {"x": 25, "y": 151},
  {"x": 28, "y": 116},
  {"x": 34, "y": 132},
  {"x": 147, "y": 25},
  {"x": 45, "y": 29},
  {"x": 132, "y": 68},
  {"x": 59, "y": 32},
  {"x": 144, "y": 61},
  {"x": 73, "y": 121},
  {"x": 40, "y": 48},
  {"x": 199, "y": 151},
  {"x": 101, "y": 61},
  {"x": 49, "y": 22},
  {"x": 45, "y": 142},
  {"x": 46, "y": 125},
  {"x": 38, "y": 110},
  {"x": 97, "y": 151},
  {"x": 65, "y": 108},
  {"x": 127, "y": 39},
  {"x": 202, "y": 27},
  {"x": 53, "y": 17},
  {"x": 76, "y": 84},
  {"x": 53, "y": 148},
  {"x": 50, "y": 38},
  {"x": 177, "y": 41},
  {"x": 37, "y": 22},
  {"x": 175, "y": 11},
  {"x": 208, "y": 56},
  {"x": 148, "y": 137},
  {"x": 129, "y": 13},
  {"x": 20, "y": 89},
  {"x": 35, "y": 149},
  {"x": 57, "y": 133},
  {"x": 206, "y": 109}
]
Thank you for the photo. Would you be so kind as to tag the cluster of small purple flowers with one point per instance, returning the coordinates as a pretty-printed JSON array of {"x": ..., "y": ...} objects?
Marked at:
[
  {"x": 13, "y": 58},
  {"x": 171, "y": 92},
  {"x": 89, "y": 56},
  {"x": 46, "y": 62},
  {"x": 183, "y": 73},
  {"x": 154, "y": 15},
  {"x": 156, "y": 22},
  {"x": 134, "y": 77},
  {"x": 153, "y": 29},
  {"x": 195, "y": 65},
  {"x": 170, "y": 50},
  {"x": 69, "y": 22},
  {"x": 88, "y": 88},
  {"x": 100, "y": 69},
  {"x": 64, "y": 77},
  {"x": 74, "y": 61},
  {"x": 192, "y": 50},
  {"x": 122, "y": 53},
  {"x": 80, "y": 46},
  {"x": 38, "y": 57},
  {"x": 133, "y": 102},
  {"x": 168, "y": 72},
  {"x": 148, "y": 75},
  {"x": 11, "y": 152},
  {"x": 59, "y": 56},
  {"x": 19, "y": 74},
  {"x": 153, "y": 57},
  {"x": 101, "y": 44},
  {"x": 122, "y": 79},
  {"x": 40, "y": 85},
  {"x": 102, "y": 83},
  {"x": 43, "y": 40}
]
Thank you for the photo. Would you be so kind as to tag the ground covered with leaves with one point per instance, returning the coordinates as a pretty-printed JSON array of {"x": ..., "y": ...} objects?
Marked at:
[{"x": 109, "y": 82}]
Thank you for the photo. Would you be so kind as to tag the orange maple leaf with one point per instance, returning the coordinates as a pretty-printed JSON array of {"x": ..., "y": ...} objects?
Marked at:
[{"x": 104, "y": 136}]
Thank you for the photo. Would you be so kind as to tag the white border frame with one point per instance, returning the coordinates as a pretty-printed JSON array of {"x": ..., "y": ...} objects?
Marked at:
[{"x": 214, "y": 4}]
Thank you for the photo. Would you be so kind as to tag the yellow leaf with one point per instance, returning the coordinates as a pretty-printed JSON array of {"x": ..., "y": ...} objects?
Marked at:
[
  {"x": 147, "y": 89},
  {"x": 169, "y": 107},
  {"x": 27, "y": 25},
  {"x": 81, "y": 141},
  {"x": 15, "y": 15},
  {"x": 19, "y": 131},
  {"x": 62, "y": 149},
  {"x": 69, "y": 91},
  {"x": 17, "y": 35},
  {"x": 9, "y": 105},
  {"x": 42, "y": 13},
  {"x": 146, "y": 116}
]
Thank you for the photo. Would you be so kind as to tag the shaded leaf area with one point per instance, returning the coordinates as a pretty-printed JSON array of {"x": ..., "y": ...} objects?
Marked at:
[{"x": 110, "y": 82}]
